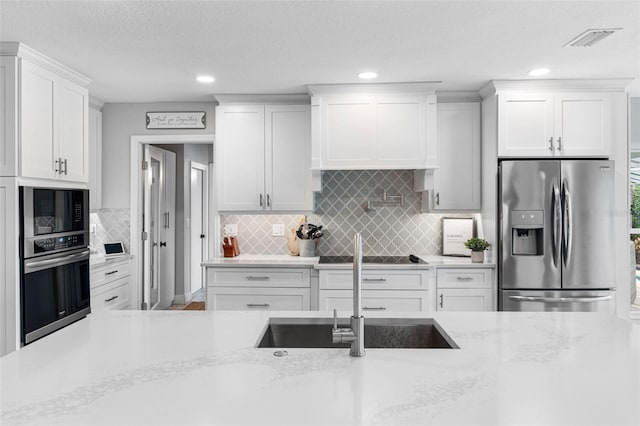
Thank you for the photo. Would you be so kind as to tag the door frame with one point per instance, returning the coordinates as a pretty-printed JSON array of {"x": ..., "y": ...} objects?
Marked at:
[
  {"x": 187, "y": 203},
  {"x": 137, "y": 143}
]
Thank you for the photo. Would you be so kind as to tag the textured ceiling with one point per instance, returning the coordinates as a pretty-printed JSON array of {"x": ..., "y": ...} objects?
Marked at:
[{"x": 143, "y": 51}]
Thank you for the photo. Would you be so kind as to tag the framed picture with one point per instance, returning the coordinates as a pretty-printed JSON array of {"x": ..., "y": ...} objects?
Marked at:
[
  {"x": 455, "y": 231},
  {"x": 177, "y": 120}
]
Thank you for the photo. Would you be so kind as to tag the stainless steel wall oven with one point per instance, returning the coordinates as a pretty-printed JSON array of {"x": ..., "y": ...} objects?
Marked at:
[{"x": 54, "y": 239}]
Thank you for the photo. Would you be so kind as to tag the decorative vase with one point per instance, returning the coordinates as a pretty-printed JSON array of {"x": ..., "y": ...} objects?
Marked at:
[{"x": 477, "y": 256}]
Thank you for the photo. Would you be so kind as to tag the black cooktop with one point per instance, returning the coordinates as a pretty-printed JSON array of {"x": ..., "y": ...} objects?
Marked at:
[{"x": 381, "y": 260}]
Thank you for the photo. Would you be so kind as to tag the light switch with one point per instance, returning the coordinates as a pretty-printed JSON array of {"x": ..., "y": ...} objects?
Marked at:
[{"x": 277, "y": 230}]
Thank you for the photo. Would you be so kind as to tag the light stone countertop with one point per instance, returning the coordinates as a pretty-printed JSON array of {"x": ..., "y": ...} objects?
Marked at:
[
  {"x": 201, "y": 367},
  {"x": 286, "y": 261}
]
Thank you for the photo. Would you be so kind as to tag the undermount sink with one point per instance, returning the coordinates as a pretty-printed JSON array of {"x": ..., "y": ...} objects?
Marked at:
[{"x": 389, "y": 333}]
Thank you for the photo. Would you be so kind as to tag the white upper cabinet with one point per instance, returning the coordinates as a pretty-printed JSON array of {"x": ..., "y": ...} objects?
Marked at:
[
  {"x": 373, "y": 127},
  {"x": 264, "y": 157},
  {"x": 554, "y": 124},
  {"x": 456, "y": 183},
  {"x": 51, "y": 117}
]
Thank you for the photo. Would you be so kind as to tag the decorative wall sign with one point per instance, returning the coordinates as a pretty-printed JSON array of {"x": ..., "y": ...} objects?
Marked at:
[{"x": 177, "y": 120}]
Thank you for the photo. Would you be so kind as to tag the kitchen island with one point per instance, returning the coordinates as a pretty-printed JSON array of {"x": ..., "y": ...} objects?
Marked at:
[{"x": 189, "y": 367}]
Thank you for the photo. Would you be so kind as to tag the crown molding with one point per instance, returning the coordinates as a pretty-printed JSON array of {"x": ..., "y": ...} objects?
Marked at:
[
  {"x": 573, "y": 85},
  {"x": 12, "y": 48},
  {"x": 421, "y": 87},
  {"x": 95, "y": 103},
  {"x": 285, "y": 99},
  {"x": 458, "y": 96}
]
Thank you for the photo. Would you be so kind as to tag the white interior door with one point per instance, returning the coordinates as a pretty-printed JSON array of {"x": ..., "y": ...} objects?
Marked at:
[
  {"x": 151, "y": 220},
  {"x": 167, "y": 251},
  {"x": 198, "y": 225}
]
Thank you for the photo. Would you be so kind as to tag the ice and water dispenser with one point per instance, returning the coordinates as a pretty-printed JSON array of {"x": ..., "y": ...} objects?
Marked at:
[{"x": 527, "y": 228}]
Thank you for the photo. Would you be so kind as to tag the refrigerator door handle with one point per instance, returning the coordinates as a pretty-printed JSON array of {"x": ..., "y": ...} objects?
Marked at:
[
  {"x": 566, "y": 222},
  {"x": 583, "y": 299},
  {"x": 555, "y": 223}
]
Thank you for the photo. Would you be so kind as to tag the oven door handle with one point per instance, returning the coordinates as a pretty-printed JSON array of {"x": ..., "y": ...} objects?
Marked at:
[{"x": 38, "y": 265}]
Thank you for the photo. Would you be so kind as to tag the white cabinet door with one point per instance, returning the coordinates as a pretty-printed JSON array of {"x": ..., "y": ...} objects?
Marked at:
[
  {"x": 288, "y": 157},
  {"x": 95, "y": 159},
  {"x": 241, "y": 157},
  {"x": 457, "y": 181},
  {"x": 401, "y": 131},
  {"x": 348, "y": 133},
  {"x": 71, "y": 117},
  {"x": 38, "y": 153},
  {"x": 582, "y": 125},
  {"x": 525, "y": 125},
  {"x": 375, "y": 300},
  {"x": 467, "y": 300}
]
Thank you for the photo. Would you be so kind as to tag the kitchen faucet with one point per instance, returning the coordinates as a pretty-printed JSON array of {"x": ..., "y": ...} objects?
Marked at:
[{"x": 355, "y": 334}]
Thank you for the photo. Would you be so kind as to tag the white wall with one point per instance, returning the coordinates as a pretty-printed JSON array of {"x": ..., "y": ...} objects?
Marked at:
[{"x": 119, "y": 122}]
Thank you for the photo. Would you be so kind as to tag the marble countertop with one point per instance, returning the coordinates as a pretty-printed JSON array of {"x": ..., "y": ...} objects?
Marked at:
[
  {"x": 286, "y": 261},
  {"x": 97, "y": 260},
  {"x": 201, "y": 367}
]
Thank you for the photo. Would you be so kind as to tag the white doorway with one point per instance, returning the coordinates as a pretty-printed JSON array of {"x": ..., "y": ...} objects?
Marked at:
[
  {"x": 139, "y": 254},
  {"x": 199, "y": 213},
  {"x": 159, "y": 204}
]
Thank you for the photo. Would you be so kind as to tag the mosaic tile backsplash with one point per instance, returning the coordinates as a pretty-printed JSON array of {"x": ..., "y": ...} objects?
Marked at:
[
  {"x": 391, "y": 230},
  {"x": 111, "y": 225}
]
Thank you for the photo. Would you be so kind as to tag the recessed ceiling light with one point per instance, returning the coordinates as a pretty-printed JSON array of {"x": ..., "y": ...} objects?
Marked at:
[
  {"x": 368, "y": 75},
  {"x": 539, "y": 71},
  {"x": 205, "y": 79}
]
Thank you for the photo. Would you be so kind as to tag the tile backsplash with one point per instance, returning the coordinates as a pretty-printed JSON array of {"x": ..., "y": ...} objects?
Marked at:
[
  {"x": 340, "y": 208},
  {"x": 111, "y": 225}
]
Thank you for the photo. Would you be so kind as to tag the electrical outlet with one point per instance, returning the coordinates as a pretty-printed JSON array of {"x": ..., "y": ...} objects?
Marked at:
[
  {"x": 277, "y": 230},
  {"x": 231, "y": 229},
  {"x": 93, "y": 228}
]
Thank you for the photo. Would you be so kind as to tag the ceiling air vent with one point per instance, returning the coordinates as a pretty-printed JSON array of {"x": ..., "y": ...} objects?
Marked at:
[{"x": 591, "y": 37}]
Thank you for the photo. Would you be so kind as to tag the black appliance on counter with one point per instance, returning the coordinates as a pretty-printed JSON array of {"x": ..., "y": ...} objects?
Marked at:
[
  {"x": 379, "y": 260},
  {"x": 54, "y": 259}
]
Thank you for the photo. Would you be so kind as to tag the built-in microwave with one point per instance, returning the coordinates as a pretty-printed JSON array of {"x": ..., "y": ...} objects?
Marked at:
[{"x": 53, "y": 220}]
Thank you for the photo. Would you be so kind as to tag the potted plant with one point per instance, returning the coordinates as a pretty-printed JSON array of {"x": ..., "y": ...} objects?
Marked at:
[{"x": 477, "y": 247}]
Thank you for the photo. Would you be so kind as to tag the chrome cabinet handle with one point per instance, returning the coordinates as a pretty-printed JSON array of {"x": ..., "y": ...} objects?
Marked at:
[
  {"x": 375, "y": 308},
  {"x": 111, "y": 273},
  {"x": 375, "y": 280},
  {"x": 464, "y": 278},
  {"x": 441, "y": 300},
  {"x": 111, "y": 298},
  {"x": 261, "y": 201},
  {"x": 57, "y": 169},
  {"x": 437, "y": 199},
  {"x": 65, "y": 167},
  {"x": 268, "y": 200},
  {"x": 258, "y": 277},
  {"x": 551, "y": 143},
  {"x": 559, "y": 144},
  {"x": 163, "y": 243},
  {"x": 584, "y": 299},
  {"x": 257, "y": 305}
]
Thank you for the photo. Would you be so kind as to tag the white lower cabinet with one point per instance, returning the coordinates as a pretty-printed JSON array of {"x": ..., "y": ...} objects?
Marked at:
[
  {"x": 280, "y": 289},
  {"x": 469, "y": 289},
  {"x": 111, "y": 285},
  {"x": 382, "y": 290}
]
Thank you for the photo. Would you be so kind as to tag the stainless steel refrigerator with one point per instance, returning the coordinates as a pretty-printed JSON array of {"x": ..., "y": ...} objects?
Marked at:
[{"x": 556, "y": 249}]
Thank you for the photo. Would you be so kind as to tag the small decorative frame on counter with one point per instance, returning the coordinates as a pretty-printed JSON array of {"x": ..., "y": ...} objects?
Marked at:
[{"x": 177, "y": 120}]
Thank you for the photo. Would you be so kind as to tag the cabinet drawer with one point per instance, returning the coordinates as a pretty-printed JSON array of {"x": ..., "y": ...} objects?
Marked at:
[
  {"x": 109, "y": 272},
  {"x": 375, "y": 300},
  {"x": 375, "y": 279},
  {"x": 242, "y": 299},
  {"x": 116, "y": 295},
  {"x": 254, "y": 277},
  {"x": 464, "y": 278}
]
